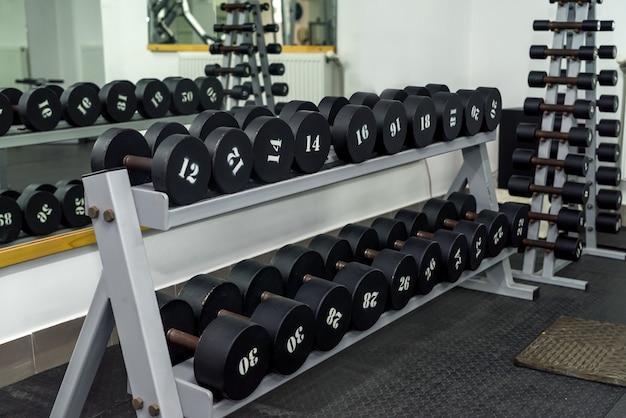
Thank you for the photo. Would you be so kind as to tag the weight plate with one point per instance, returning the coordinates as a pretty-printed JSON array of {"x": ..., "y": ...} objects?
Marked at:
[
  {"x": 273, "y": 148},
  {"x": 158, "y": 131},
  {"x": 422, "y": 117},
  {"x": 473, "y": 111},
  {"x": 72, "y": 198},
  {"x": 449, "y": 115},
  {"x": 13, "y": 95},
  {"x": 393, "y": 94},
  {"x": 364, "y": 98},
  {"x": 312, "y": 141},
  {"x": 498, "y": 230},
  {"x": 253, "y": 278},
  {"x": 6, "y": 114},
  {"x": 211, "y": 93},
  {"x": 290, "y": 108},
  {"x": 118, "y": 101},
  {"x": 417, "y": 91},
  {"x": 493, "y": 107},
  {"x": 33, "y": 187},
  {"x": 209, "y": 120},
  {"x": 181, "y": 167},
  {"x": 427, "y": 254},
  {"x": 389, "y": 231},
  {"x": 153, "y": 98},
  {"x": 41, "y": 212},
  {"x": 232, "y": 159},
  {"x": 55, "y": 88},
  {"x": 65, "y": 182},
  {"x": 517, "y": 216},
  {"x": 247, "y": 114},
  {"x": 332, "y": 305},
  {"x": 176, "y": 314},
  {"x": 464, "y": 203},
  {"x": 391, "y": 126},
  {"x": 454, "y": 252},
  {"x": 477, "y": 238},
  {"x": 39, "y": 109},
  {"x": 329, "y": 106},
  {"x": 334, "y": 252},
  {"x": 437, "y": 88},
  {"x": 185, "y": 95},
  {"x": 400, "y": 269},
  {"x": 10, "y": 219},
  {"x": 437, "y": 211},
  {"x": 361, "y": 239},
  {"x": 354, "y": 133},
  {"x": 113, "y": 145},
  {"x": 294, "y": 263},
  {"x": 94, "y": 86},
  {"x": 81, "y": 105}
]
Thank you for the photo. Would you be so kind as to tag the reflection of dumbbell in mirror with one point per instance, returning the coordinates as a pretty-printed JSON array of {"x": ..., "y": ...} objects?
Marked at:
[
  {"x": 71, "y": 196},
  {"x": 606, "y": 152},
  {"x": 245, "y": 27},
  {"x": 180, "y": 166},
  {"x": 40, "y": 212},
  {"x": 118, "y": 100},
  {"x": 275, "y": 68},
  {"x": 571, "y": 192},
  {"x": 10, "y": 216},
  {"x": 211, "y": 93},
  {"x": 573, "y": 164},
  {"x": 290, "y": 324},
  {"x": 584, "y": 81},
  {"x": 584, "y": 26},
  {"x": 277, "y": 89},
  {"x": 298, "y": 271},
  {"x": 38, "y": 109},
  {"x": 231, "y": 356},
  {"x": 81, "y": 104}
]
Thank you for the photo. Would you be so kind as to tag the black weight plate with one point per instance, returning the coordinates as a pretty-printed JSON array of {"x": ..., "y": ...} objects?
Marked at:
[
  {"x": 10, "y": 219},
  {"x": 81, "y": 105},
  {"x": 41, "y": 211},
  {"x": 290, "y": 108},
  {"x": 400, "y": 269},
  {"x": 253, "y": 278},
  {"x": 209, "y": 120},
  {"x": 312, "y": 140},
  {"x": 454, "y": 252},
  {"x": 94, "y": 86},
  {"x": 391, "y": 126},
  {"x": 273, "y": 148},
  {"x": 185, "y": 95},
  {"x": 473, "y": 111},
  {"x": 437, "y": 211},
  {"x": 158, "y": 131},
  {"x": 176, "y": 314},
  {"x": 498, "y": 230},
  {"x": 40, "y": 109},
  {"x": 427, "y": 254},
  {"x": 477, "y": 237},
  {"x": 369, "y": 291},
  {"x": 153, "y": 98},
  {"x": 329, "y": 106},
  {"x": 118, "y": 101},
  {"x": 422, "y": 119},
  {"x": 364, "y": 98},
  {"x": 417, "y": 91},
  {"x": 291, "y": 327},
  {"x": 247, "y": 114},
  {"x": 354, "y": 133},
  {"x": 13, "y": 95},
  {"x": 232, "y": 159},
  {"x": 232, "y": 357},
  {"x": 113, "y": 145},
  {"x": 393, "y": 94},
  {"x": 436, "y": 88},
  {"x": 65, "y": 182},
  {"x": 361, "y": 239},
  {"x": 33, "y": 187},
  {"x": 72, "y": 198},
  {"x": 517, "y": 216},
  {"x": 294, "y": 262},
  {"x": 449, "y": 115},
  {"x": 181, "y": 167},
  {"x": 211, "y": 93},
  {"x": 493, "y": 107},
  {"x": 55, "y": 88},
  {"x": 332, "y": 305},
  {"x": 334, "y": 251},
  {"x": 464, "y": 203},
  {"x": 6, "y": 114}
]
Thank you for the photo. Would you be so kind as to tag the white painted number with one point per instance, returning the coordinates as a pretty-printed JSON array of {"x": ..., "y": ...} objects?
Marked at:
[
  {"x": 79, "y": 206},
  {"x": 249, "y": 361},
  {"x": 369, "y": 300},
  {"x": 405, "y": 282},
  {"x": 494, "y": 109},
  {"x": 211, "y": 94},
  {"x": 194, "y": 168},
  {"x": 6, "y": 219},
  {"x": 333, "y": 318},
  {"x": 46, "y": 112},
  {"x": 312, "y": 144},
  {"x": 475, "y": 113},
  {"x": 157, "y": 99},
  {"x": 187, "y": 96},
  {"x": 43, "y": 214},
  {"x": 452, "y": 118},
  {"x": 84, "y": 105},
  {"x": 458, "y": 259},
  {"x": 394, "y": 128},
  {"x": 478, "y": 244},
  {"x": 362, "y": 134},
  {"x": 424, "y": 122},
  {"x": 276, "y": 144},
  {"x": 498, "y": 236},
  {"x": 121, "y": 102},
  {"x": 234, "y": 160},
  {"x": 295, "y": 340},
  {"x": 520, "y": 227},
  {"x": 430, "y": 269}
]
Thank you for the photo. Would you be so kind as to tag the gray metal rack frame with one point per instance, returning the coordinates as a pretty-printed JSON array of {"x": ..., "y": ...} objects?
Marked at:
[{"x": 125, "y": 294}]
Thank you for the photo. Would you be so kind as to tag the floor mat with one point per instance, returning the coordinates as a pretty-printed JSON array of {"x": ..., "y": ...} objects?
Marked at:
[{"x": 581, "y": 348}]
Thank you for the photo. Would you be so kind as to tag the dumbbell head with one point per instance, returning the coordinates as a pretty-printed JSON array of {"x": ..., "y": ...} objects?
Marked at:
[
  {"x": 276, "y": 68},
  {"x": 417, "y": 91},
  {"x": 153, "y": 98},
  {"x": 11, "y": 215},
  {"x": 609, "y": 222},
  {"x": 609, "y": 127},
  {"x": 607, "y": 78},
  {"x": 391, "y": 126},
  {"x": 608, "y": 103},
  {"x": 353, "y": 128},
  {"x": 367, "y": 285},
  {"x": 422, "y": 119},
  {"x": 185, "y": 95},
  {"x": 568, "y": 248},
  {"x": 273, "y": 148},
  {"x": 55, "y": 88},
  {"x": 158, "y": 131},
  {"x": 449, "y": 115},
  {"x": 41, "y": 211},
  {"x": 609, "y": 176},
  {"x": 211, "y": 93},
  {"x": 72, "y": 199},
  {"x": 13, "y": 95},
  {"x": 492, "y": 100},
  {"x": 6, "y": 114},
  {"x": 394, "y": 94},
  {"x": 364, "y": 98},
  {"x": 39, "y": 109},
  {"x": 312, "y": 140},
  {"x": 517, "y": 214},
  {"x": 118, "y": 100},
  {"x": 608, "y": 152},
  {"x": 290, "y": 108},
  {"x": 247, "y": 114},
  {"x": 573, "y": 164},
  {"x": 571, "y": 220},
  {"x": 473, "y": 111},
  {"x": 81, "y": 105},
  {"x": 273, "y": 48},
  {"x": 609, "y": 199},
  {"x": 176, "y": 313},
  {"x": 437, "y": 88}
]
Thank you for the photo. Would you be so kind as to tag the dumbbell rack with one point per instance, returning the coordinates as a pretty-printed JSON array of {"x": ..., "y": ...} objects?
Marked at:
[
  {"x": 569, "y": 40},
  {"x": 239, "y": 17},
  {"x": 125, "y": 292}
]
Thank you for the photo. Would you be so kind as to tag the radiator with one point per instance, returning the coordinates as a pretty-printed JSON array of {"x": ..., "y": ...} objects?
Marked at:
[{"x": 308, "y": 75}]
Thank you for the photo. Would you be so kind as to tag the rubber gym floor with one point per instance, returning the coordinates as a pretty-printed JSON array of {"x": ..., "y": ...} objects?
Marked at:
[{"x": 453, "y": 357}]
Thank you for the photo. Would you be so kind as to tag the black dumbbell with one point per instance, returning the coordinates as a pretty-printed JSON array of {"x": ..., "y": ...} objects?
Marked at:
[
  {"x": 272, "y": 48},
  {"x": 448, "y": 110},
  {"x": 584, "y": 81},
  {"x": 565, "y": 220},
  {"x": 275, "y": 68},
  {"x": 607, "y": 103},
  {"x": 312, "y": 136},
  {"x": 216, "y": 70},
  {"x": 584, "y": 26},
  {"x": 176, "y": 313},
  {"x": 185, "y": 95},
  {"x": 606, "y": 152},
  {"x": 609, "y": 127},
  {"x": 245, "y": 27},
  {"x": 493, "y": 107},
  {"x": 118, "y": 100},
  {"x": 153, "y": 98},
  {"x": 39, "y": 109},
  {"x": 179, "y": 167},
  {"x": 571, "y": 192},
  {"x": 517, "y": 214},
  {"x": 609, "y": 176},
  {"x": 609, "y": 199},
  {"x": 289, "y": 324},
  {"x": 573, "y": 164},
  {"x": 81, "y": 104},
  {"x": 586, "y": 53},
  {"x": 353, "y": 128},
  {"x": 367, "y": 285},
  {"x": 242, "y": 7},
  {"x": 231, "y": 356},
  {"x": 300, "y": 270},
  {"x": 400, "y": 268},
  {"x": 473, "y": 111},
  {"x": 497, "y": 223},
  {"x": 609, "y": 222},
  {"x": 420, "y": 111},
  {"x": 211, "y": 93},
  {"x": 407, "y": 232},
  {"x": 608, "y": 78},
  {"x": 443, "y": 214},
  {"x": 581, "y": 109},
  {"x": 391, "y": 121},
  {"x": 564, "y": 247},
  {"x": 71, "y": 196},
  {"x": 10, "y": 216},
  {"x": 293, "y": 106},
  {"x": 58, "y": 90},
  {"x": 577, "y": 136},
  {"x": 40, "y": 211},
  {"x": 271, "y": 27},
  {"x": 277, "y": 89}
]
